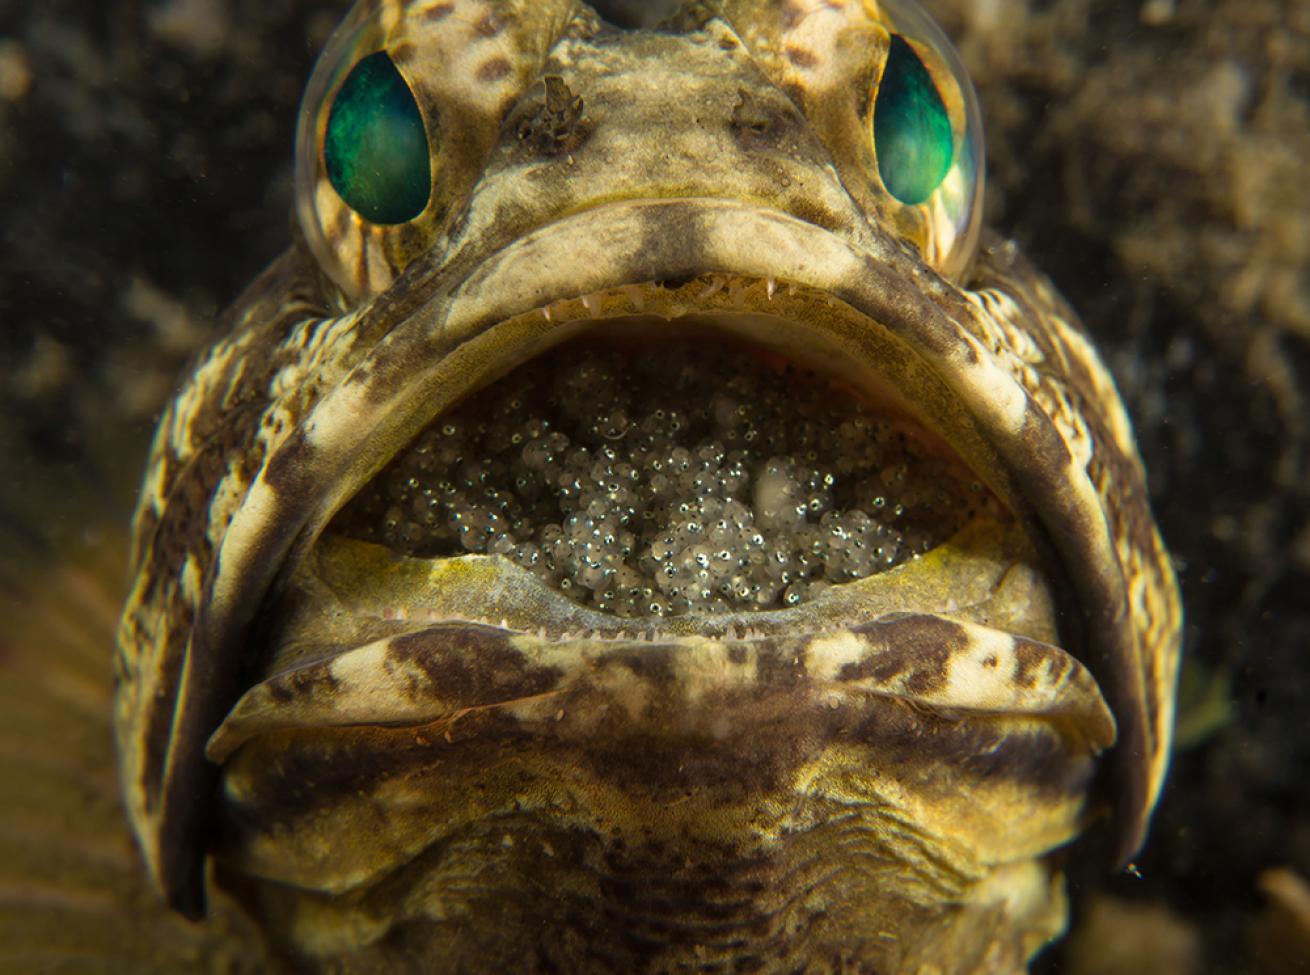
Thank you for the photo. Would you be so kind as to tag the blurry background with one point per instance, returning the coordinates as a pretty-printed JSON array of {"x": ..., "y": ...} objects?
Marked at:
[{"x": 1153, "y": 156}]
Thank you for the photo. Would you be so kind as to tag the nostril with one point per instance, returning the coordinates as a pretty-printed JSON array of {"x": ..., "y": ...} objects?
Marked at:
[{"x": 558, "y": 125}]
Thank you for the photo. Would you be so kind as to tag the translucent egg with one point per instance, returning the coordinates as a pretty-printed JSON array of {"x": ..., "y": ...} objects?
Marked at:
[{"x": 661, "y": 519}]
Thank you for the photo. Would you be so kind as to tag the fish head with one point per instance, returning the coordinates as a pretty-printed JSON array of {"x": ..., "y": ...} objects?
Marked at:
[{"x": 644, "y": 519}]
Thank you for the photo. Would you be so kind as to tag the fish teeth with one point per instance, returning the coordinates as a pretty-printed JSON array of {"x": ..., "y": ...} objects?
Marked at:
[
  {"x": 634, "y": 296},
  {"x": 713, "y": 287}
]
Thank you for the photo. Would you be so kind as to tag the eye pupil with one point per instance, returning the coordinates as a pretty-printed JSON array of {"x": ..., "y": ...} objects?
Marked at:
[
  {"x": 375, "y": 148},
  {"x": 911, "y": 129}
]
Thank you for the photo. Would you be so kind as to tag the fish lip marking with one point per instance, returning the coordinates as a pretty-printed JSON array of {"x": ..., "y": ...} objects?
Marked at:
[{"x": 674, "y": 690}]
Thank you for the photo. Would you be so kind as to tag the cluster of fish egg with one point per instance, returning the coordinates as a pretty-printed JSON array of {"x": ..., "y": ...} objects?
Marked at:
[{"x": 669, "y": 480}]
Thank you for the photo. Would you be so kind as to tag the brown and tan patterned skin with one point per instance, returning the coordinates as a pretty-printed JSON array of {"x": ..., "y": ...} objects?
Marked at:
[{"x": 406, "y": 766}]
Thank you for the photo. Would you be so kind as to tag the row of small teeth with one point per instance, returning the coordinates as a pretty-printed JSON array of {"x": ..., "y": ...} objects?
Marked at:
[{"x": 736, "y": 288}]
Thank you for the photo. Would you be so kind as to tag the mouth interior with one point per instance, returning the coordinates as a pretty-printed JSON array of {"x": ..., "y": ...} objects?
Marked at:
[{"x": 647, "y": 477}]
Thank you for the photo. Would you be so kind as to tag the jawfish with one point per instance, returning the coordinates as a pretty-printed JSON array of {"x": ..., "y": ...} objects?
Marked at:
[{"x": 644, "y": 522}]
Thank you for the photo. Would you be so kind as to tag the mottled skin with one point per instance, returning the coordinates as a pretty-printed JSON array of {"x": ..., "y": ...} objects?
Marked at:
[{"x": 402, "y": 766}]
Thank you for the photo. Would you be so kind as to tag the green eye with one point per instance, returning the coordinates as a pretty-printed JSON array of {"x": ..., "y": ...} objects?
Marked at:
[
  {"x": 376, "y": 149},
  {"x": 911, "y": 129}
]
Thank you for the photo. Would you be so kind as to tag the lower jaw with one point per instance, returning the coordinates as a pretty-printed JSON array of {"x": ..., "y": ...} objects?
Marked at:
[{"x": 690, "y": 806}]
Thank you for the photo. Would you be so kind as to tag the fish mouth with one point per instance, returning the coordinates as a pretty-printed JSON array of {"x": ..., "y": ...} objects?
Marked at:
[
  {"x": 719, "y": 466},
  {"x": 945, "y": 652},
  {"x": 647, "y": 470},
  {"x": 712, "y": 456}
]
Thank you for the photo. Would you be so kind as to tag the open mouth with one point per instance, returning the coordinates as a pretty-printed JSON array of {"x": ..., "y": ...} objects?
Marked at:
[
  {"x": 685, "y": 473},
  {"x": 702, "y": 460},
  {"x": 708, "y": 459},
  {"x": 716, "y": 458},
  {"x": 667, "y": 545}
]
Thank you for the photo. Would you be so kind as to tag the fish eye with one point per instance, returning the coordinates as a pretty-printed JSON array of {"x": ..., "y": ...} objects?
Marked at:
[
  {"x": 912, "y": 134},
  {"x": 370, "y": 150},
  {"x": 375, "y": 146},
  {"x": 397, "y": 124},
  {"x": 925, "y": 131}
]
